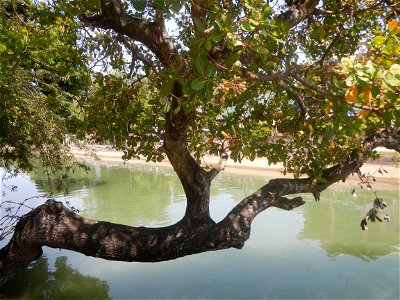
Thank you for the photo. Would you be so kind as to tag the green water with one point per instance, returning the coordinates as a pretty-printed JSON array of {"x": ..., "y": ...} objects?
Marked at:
[{"x": 314, "y": 251}]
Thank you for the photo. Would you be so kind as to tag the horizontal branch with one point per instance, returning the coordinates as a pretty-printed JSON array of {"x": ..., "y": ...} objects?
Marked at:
[
  {"x": 272, "y": 194},
  {"x": 54, "y": 225},
  {"x": 329, "y": 94}
]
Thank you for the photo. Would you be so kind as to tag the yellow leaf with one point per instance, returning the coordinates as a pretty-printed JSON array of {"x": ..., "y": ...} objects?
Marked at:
[
  {"x": 332, "y": 145},
  {"x": 369, "y": 1},
  {"x": 328, "y": 108},
  {"x": 362, "y": 114},
  {"x": 393, "y": 25},
  {"x": 351, "y": 93},
  {"x": 299, "y": 133},
  {"x": 367, "y": 94},
  {"x": 225, "y": 134},
  {"x": 310, "y": 128}
]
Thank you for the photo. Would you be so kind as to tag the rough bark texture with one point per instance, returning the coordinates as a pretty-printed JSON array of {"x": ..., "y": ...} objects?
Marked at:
[{"x": 54, "y": 225}]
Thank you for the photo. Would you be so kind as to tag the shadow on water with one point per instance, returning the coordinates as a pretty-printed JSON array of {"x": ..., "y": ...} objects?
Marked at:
[
  {"x": 319, "y": 247},
  {"x": 334, "y": 222},
  {"x": 40, "y": 282}
]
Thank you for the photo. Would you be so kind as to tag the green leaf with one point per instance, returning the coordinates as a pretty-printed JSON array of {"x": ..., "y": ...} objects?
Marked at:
[
  {"x": 247, "y": 27},
  {"x": 167, "y": 87},
  {"x": 201, "y": 63},
  {"x": 394, "y": 69},
  {"x": 254, "y": 23},
  {"x": 261, "y": 50},
  {"x": 316, "y": 33},
  {"x": 209, "y": 91},
  {"x": 211, "y": 70},
  {"x": 216, "y": 36},
  {"x": 275, "y": 38},
  {"x": 159, "y": 5},
  {"x": 392, "y": 80},
  {"x": 364, "y": 76},
  {"x": 379, "y": 41},
  {"x": 2, "y": 48},
  {"x": 266, "y": 11},
  {"x": 234, "y": 57},
  {"x": 199, "y": 25},
  {"x": 139, "y": 5},
  {"x": 237, "y": 43},
  {"x": 176, "y": 6},
  {"x": 198, "y": 83},
  {"x": 252, "y": 156},
  {"x": 351, "y": 80}
]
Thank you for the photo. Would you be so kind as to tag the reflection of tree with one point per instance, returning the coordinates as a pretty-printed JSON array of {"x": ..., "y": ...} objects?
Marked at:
[
  {"x": 39, "y": 282},
  {"x": 335, "y": 223},
  {"x": 139, "y": 194},
  {"x": 133, "y": 196},
  {"x": 79, "y": 178}
]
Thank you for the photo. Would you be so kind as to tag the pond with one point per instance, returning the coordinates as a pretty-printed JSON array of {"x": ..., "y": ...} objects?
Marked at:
[{"x": 315, "y": 251}]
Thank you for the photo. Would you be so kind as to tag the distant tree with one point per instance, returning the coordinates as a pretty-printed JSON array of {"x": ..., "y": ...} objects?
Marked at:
[{"x": 311, "y": 84}]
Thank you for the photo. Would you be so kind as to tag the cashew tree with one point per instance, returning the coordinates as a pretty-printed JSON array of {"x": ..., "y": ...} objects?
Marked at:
[{"x": 311, "y": 84}]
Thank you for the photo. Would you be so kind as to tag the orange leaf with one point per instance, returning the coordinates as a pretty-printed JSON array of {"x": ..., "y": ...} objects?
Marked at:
[
  {"x": 362, "y": 114},
  {"x": 328, "y": 108},
  {"x": 367, "y": 94},
  {"x": 393, "y": 25},
  {"x": 351, "y": 93}
]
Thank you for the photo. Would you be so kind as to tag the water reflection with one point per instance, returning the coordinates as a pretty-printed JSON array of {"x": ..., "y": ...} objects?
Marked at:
[
  {"x": 143, "y": 195},
  {"x": 315, "y": 251},
  {"x": 334, "y": 222},
  {"x": 42, "y": 281}
]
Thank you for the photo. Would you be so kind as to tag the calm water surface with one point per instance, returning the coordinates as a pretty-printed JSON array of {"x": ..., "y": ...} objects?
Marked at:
[{"x": 314, "y": 251}]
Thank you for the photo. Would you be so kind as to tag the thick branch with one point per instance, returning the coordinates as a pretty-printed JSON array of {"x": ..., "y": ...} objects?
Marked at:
[
  {"x": 272, "y": 194},
  {"x": 151, "y": 34},
  {"x": 199, "y": 9},
  {"x": 55, "y": 226},
  {"x": 298, "y": 11}
]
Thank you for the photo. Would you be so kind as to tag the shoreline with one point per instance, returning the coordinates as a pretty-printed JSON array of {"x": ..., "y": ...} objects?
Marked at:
[{"x": 257, "y": 167}]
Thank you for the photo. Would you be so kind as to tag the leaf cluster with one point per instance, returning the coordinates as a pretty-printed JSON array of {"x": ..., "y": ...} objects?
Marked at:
[{"x": 40, "y": 75}]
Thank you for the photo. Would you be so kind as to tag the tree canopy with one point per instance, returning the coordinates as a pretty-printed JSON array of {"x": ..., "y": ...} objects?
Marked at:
[
  {"x": 41, "y": 74},
  {"x": 312, "y": 84}
]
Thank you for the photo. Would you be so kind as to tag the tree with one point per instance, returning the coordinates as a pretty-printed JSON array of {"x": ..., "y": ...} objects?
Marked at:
[
  {"x": 312, "y": 84},
  {"x": 39, "y": 77}
]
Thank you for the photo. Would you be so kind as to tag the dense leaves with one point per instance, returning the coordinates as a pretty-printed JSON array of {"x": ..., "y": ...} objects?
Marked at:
[
  {"x": 312, "y": 84},
  {"x": 40, "y": 72},
  {"x": 250, "y": 78},
  {"x": 304, "y": 96}
]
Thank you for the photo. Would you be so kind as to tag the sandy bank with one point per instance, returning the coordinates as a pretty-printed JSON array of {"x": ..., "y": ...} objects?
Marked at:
[{"x": 259, "y": 166}]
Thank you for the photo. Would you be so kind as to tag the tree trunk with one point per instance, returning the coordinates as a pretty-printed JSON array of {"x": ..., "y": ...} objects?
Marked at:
[{"x": 54, "y": 225}]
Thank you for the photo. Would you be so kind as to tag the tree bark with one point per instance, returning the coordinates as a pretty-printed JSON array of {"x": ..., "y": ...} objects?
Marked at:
[{"x": 54, "y": 225}]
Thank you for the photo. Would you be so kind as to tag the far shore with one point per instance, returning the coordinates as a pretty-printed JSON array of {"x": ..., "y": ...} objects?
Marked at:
[{"x": 385, "y": 169}]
